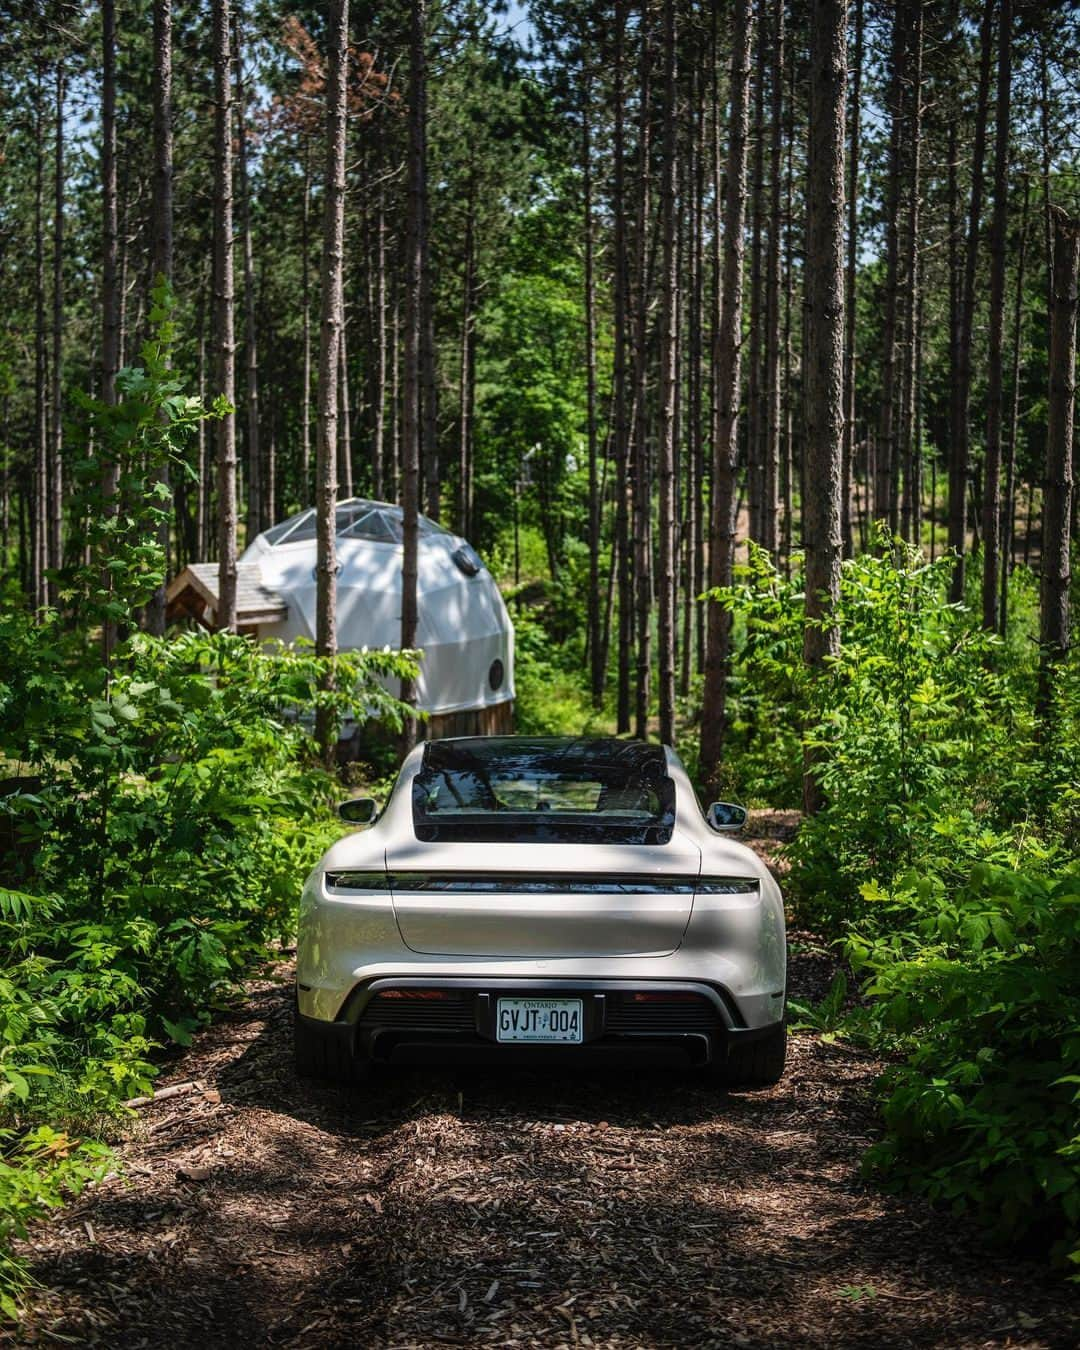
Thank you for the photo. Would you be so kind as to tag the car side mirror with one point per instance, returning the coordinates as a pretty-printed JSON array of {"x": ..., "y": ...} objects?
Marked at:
[
  {"x": 726, "y": 817},
  {"x": 358, "y": 811}
]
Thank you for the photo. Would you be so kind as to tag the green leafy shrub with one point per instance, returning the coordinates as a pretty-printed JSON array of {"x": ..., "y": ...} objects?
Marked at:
[
  {"x": 162, "y": 804},
  {"x": 976, "y": 982}
]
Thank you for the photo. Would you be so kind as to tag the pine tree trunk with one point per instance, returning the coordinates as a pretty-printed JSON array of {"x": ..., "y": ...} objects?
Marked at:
[
  {"x": 621, "y": 430},
  {"x": 995, "y": 394},
  {"x": 770, "y": 506},
  {"x": 305, "y": 287},
  {"x": 331, "y": 330},
  {"x": 378, "y": 451},
  {"x": 224, "y": 342},
  {"x": 755, "y": 404},
  {"x": 729, "y": 347},
  {"x": 411, "y": 428},
  {"x": 960, "y": 363},
  {"x": 110, "y": 299},
  {"x": 40, "y": 475},
  {"x": 256, "y": 520},
  {"x": 465, "y": 384},
  {"x": 668, "y": 389},
  {"x": 823, "y": 379},
  {"x": 56, "y": 445},
  {"x": 162, "y": 265},
  {"x": 593, "y": 640},
  {"x": 1008, "y": 513},
  {"x": 912, "y": 513},
  {"x": 642, "y": 481},
  {"x": 849, "y": 469},
  {"x": 886, "y": 488},
  {"x": 345, "y": 424},
  {"x": 1058, "y": 484}
]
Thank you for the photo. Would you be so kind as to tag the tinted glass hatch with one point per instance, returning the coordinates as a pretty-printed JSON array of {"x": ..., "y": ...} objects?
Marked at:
[{"x": 535, "y": 790}]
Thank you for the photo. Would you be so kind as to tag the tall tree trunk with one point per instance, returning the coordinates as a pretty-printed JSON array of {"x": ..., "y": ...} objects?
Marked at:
[
  {"x": 770, "y": 503},
  {"x": 256, "y": 519},
  {"x": 848, "y": 469},
  {"x": 729, "y": 348},
  {"x": 465, "y": 383},
  {"x": 1058, "y": 485},
  {"x": 162, "y": 234},
  {"x": 40, "y": 475},
  {"x": 995, "y": 395},
  {"x": 378, "y": 450},
  {"x": 621, "y": 429},
  {"x": 695, "y": 465},
  {"x": 330, "y": 346},
  {"x": 1008, "y": 513},
  {"x": 345, "y": 431},
  {"x": 56, "y": 446},
  {"x": 110, "y": 299},
  {"x": 595, "y": 645},
  {"x": 755, "y": 403},
  {"x": 224, "y": 342},
  {"x": 912, "y": 307},
  {"x": 886, "y": 488},
  {"x": 412, "y": 429},
  {"x": 666, "y": 438},
  {"x": 824, "y": 340},
  {"x": 960, "y": 362},
  {"x": 305, "y": 288},
  {"x": 643, "y": 578}
]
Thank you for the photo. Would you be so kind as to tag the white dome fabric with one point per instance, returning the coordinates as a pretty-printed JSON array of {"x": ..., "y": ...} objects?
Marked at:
[{"x": 464, "y": 629}]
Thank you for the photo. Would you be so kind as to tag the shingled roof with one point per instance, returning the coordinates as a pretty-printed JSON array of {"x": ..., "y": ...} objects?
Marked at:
[{"x": 193, "y": 594}]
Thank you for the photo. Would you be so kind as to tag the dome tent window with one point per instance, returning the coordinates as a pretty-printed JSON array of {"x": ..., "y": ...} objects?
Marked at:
[{"x": 464, "y": 631}]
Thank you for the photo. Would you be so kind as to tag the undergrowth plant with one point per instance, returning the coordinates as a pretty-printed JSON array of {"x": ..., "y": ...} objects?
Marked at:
[{"x": 162, "y": 801}]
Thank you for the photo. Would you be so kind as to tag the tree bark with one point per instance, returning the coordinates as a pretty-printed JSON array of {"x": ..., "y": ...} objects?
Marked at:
[
  {"x": 305, "y": 287},
  {"x": 256, "y": 519},
  {"x": 595, "y": 645},
  {"x": 56, "y": 447},
  {"x": 729, "y": 349},
  {"x": 886, "y": 488},
  {"x": 1058, "y": 484},
  {"x": 770, "y": 501},
  {"x": 411, "y": 429},
  {"x": 995, "y": 396},
  {"x": 330, "y": 344},
  {"x": 621, "y": 430},
  {"x": 848, "y": 469},
  {"x": 1008, "y": 513},
  {"x": 110, "y": 300},
  {"x": 824, "y": 340},
  {"x": 755, "y": 404},
  {"x": 642, "y": 477},
  {"x": 162, "y": 234},
  {"x": 912, "y": 307},
  {"x": 224, "y": 342},
  {"x": 668, "y": 389},
  {"x": 40, "y": 474},
  {"x": 960, "y": 363}
]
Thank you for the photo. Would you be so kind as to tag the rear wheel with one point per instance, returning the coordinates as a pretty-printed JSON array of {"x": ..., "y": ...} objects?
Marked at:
[
  {"x": 327, "y": 1055},
  {"x": 756, "y": 1063}
]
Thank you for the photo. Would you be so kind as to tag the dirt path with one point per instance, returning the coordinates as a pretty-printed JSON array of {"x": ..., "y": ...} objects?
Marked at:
[{"x": 441, "y": 1208}]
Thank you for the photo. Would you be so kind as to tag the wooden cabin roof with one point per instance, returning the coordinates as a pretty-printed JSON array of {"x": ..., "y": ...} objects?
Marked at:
[{"x": 193, "y": 594}]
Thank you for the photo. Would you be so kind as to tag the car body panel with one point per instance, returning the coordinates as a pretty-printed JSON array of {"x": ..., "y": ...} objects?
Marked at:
[{"x": 730, "y": 943}]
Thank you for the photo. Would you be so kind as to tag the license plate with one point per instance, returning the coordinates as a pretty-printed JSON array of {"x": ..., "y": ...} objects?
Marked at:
[{"x": 539, "y": 1019}]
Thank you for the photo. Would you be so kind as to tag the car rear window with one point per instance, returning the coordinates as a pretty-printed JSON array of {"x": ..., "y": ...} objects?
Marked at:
[{"x": 506, "y": 789}]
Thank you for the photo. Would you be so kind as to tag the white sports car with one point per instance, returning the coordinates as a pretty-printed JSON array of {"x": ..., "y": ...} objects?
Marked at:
[{"x": 536, "y": 900}]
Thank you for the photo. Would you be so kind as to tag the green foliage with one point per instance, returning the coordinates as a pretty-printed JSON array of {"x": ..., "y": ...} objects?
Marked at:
[
  {"x": 944, "y": 862},
  {"x": 163, "y": 808},
  {"x": 976, "y": 983}
]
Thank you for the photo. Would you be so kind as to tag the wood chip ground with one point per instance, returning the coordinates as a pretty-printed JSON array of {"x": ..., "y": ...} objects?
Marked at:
[{"x": 437, "y": 1208}]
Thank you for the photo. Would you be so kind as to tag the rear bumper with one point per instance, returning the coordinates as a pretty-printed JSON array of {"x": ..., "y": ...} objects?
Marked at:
[{"x": 639, "y": 1021}]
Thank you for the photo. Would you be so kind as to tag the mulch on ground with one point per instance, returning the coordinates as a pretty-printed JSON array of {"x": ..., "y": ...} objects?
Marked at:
[{"x": 435, "y": 1208}]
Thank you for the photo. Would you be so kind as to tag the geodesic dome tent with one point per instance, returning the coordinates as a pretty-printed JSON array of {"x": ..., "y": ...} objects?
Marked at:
[{"x": 466, "y": 678}]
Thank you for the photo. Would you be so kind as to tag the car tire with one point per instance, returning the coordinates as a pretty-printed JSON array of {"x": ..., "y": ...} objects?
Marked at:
[
  {"x": 317, "y": 1055},
  {"x": 756, "y": 1063}
]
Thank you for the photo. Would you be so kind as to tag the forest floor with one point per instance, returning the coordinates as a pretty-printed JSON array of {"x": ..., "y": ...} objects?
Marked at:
[{"x": 517, "y": 1209}]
